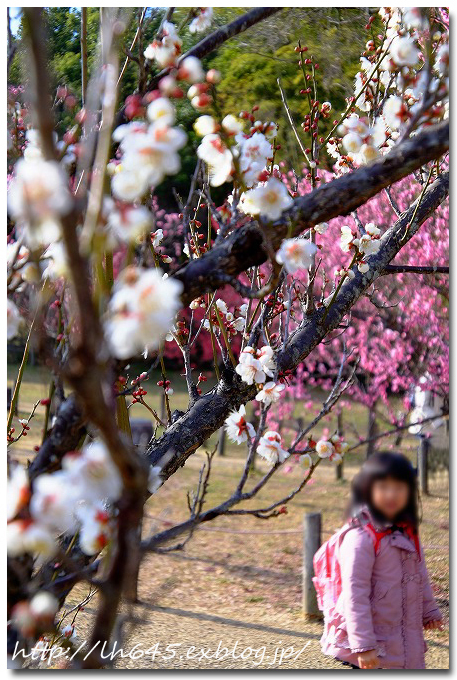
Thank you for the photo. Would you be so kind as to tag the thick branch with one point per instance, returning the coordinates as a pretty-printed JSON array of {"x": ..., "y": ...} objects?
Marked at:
[
  {"x": 209, "y": 412},
  {"x": 244, "y": 247},
  {"x": 221, "y": 35},
  {"x": 303, "y": 341},
  {"x": 412, "y": 269},
  {"x": 40, "y": 90},
  {"x": 65, "y": 435},
  {"x": 213, "y": 41}
]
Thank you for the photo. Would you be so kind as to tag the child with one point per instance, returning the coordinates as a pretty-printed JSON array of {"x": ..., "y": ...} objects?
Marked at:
[{"x": 386, "y": 599}]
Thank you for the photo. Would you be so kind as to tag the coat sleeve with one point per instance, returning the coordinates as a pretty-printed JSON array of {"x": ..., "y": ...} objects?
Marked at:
[
  {"x": 356, "y": 557},
  {"x": 431, "y": 611}
]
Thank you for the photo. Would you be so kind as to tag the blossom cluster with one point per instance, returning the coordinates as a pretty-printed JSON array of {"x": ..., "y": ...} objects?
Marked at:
[
  {"x": 333, "y": 449},
  {"x": 76, "y": 498},
  {"x": 38, "y": 197},
  {"x": 255, "y": 364},
  {"x": 361, "y": 246},
  {"x": 149, "y": 152},
  {"x": 141, "y": 311},
  {"x": 403, "y": 82}
]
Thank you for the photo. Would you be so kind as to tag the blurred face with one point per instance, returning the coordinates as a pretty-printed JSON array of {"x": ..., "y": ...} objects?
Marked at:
[{"x": 389, "y": 496}]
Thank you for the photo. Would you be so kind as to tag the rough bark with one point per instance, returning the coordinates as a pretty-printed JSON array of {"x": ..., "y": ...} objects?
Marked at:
[{"x": 66, "y": 432}]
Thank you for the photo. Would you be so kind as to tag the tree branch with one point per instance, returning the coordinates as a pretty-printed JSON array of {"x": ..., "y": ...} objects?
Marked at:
[
  {"x": 221, "y": 35},
  {"x": 213, "y": 41},
  {"x": 412, "y": 269},
  {"x": 244, "y": 247},
  {"x": 210, "y": 411}
]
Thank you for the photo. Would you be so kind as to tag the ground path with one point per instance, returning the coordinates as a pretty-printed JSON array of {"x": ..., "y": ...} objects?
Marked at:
[{"x": 239, "y": 582}]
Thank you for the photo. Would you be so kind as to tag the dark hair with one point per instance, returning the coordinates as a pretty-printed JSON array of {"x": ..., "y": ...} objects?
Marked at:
[{"x": 381, "y": 465}]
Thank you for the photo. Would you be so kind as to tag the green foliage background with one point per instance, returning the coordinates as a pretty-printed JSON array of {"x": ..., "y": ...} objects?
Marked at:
[{"x": 250, "y": 65}]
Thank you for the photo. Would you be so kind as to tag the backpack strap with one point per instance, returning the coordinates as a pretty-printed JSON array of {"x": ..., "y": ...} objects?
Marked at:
[{"x": 376, "y": 535}]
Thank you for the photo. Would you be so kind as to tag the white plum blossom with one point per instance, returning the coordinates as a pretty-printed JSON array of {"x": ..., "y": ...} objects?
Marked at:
[
  {"x": 270, "y": 393},
  {"x": 269, "y": 199},
  {"x": 23, "y": 621},
  {"x": 369, "y": 243},
  {"x": 69, "y": 632},
  {"x": 25, "y": 537},
  {"x": 205, "y": 125},
  {"x": 95, "y": 528},
  {"x": 271, "y": 131},
  {"x": 232, "y": 124},
  {"x": 72, "y": 499},
  {"x": 372, "y": 230},
  {"x": 352, "y": 142},
  {"x": 296, "y": 253},
  {"x": 254, "y": 152},
  {"x": 43, "y": 607},
  {"x": 17, "y": 492},
  {"x": 360, "y": 141},
  {"x": 347, "y": 238},
  {"x": 392, "y": 112},
  {"x": 55, "y": 258},
  {"x": 167, "y": 50},
  {"x": 168, "y": 85},
  {"x": 149, "y": 153},
  {"x": 157, "y": 238},
  {"x": 130, "y": 186},
  {"x": 14, "y": 319},
  {"x": 255, "y": 149},
  {"x": 132, "y": 128},
  {"x": 250, "y": 369},
  {"x": 414, "y": 18},
  {"x": 238, "y": 323},
  {"x": 324, "y": 448},
  {"x": 38, "y": 196},
  {"x": 266, "y": 357},
  {"x": 270, "y": 448},
  {"x": 154, "y": 477},
  {"x": 141, "y": 311},
  {"x": 237, "y": 428},
  {"x": 53, "y": 501},
  {"x": 202, "y": 21},
  {"x": 363, "y": 267},
  {"x": 154, "y": 152},
  {"x": 161, "y": 109},
  {"x": 222, "y": 307},
  {"x": 217, "y": 157},
  {"x": 403, "y": 51},
  {"x": 95, "y": 470},
  {"x": 368, "y": 153},
  {"x": 356, "y": 124},
  {"x": 321, "y": 228},
  {"x": 129, "y": 222},
  {"x": 191, "y": 69}
]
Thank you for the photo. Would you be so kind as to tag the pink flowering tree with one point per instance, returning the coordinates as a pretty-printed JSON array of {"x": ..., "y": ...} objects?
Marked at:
[
  {"x": 301, "y": 277},
  {"x": 393, "y": 346}
]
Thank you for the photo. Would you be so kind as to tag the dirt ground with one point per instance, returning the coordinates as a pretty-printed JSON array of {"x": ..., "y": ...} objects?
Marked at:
[{"x": 237, "y": 584}]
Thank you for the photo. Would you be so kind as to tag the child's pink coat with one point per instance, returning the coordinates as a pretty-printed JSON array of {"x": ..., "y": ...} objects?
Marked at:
[{"x": 384, "y": 603}]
